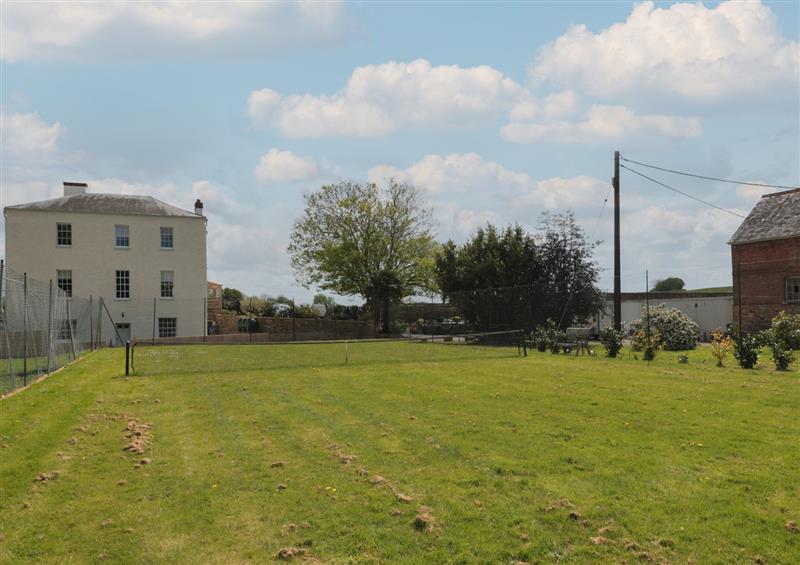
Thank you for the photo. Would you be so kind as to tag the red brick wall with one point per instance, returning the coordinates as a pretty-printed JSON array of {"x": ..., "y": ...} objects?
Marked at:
[
  {"x": 299, "y": 329},
  {"x": 764, "y": 268}
]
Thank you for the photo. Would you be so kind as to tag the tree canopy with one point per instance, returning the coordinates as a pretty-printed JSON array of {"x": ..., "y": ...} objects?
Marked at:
[
  {"x": 668, "y": 284},
  {"x": 360, "y": 239},
  {"x": 511, "y": 278}
]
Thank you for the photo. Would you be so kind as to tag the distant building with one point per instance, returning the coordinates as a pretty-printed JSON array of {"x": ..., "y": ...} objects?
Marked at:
[
  {"x": 709, "y": 310},
  {"x": 145, "y": 258},
  {"x": 766, "y": 251}
]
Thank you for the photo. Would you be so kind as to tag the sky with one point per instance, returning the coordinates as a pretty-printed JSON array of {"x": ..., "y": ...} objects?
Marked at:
[{"x": 496, "y": 112}]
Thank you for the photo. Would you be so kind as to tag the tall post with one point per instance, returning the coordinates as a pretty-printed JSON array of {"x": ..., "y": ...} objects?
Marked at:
[
  {"x": 205, "y": 318},
  {"x": 91, "y": 324},
  {"x": 154, "y": 318},
  {"x": 100, "y": 322},
  {"x": 69, "y": 325},
  {"x": 617, "y": 261},
  {"x": 294, "y": 323},
  {"x": 25, "y": 329},
  {"x": 50, "y": 326},
  {"x": 647, "y": 303}
]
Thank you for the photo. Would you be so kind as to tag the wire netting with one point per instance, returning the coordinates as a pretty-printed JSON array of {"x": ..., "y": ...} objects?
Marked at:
[
  {"x": 41, "y": 328},
  {"x": 181, "y": 356}
]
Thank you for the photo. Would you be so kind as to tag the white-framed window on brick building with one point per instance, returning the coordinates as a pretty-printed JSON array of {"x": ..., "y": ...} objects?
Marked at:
[
  {"x": 793, "y": 289},
  {"x": 63, "y": 234},
  {"x": 123, "y": 284},
  {"x": 64, "y": 280},
  {"x": 122, "y": 236},
  {"x": 167, "y": 284},
  {"x": 167, "y": 238},
  {"x": 167, "y": 327}
]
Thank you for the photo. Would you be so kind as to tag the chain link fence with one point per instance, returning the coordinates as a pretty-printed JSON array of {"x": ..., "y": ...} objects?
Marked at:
[{"x": 41, "y": 328}]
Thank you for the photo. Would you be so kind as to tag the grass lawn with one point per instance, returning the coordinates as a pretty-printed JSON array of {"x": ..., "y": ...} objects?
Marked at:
[{"x": 409, "y": 453}]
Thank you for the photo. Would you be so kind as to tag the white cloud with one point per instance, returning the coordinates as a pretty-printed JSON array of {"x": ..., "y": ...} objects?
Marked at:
[
  {"x": 601, "y": 123},
  {"x": 278, "y": 166},
  {"x": 380, "y": 98},
  {"x": 57, "y": 31},
  {"x": 470, "y": 174},
  {"x": 685, "y": 49},
  {"x": 28, "y": 135},
  {"x": 571, "y": 192}
]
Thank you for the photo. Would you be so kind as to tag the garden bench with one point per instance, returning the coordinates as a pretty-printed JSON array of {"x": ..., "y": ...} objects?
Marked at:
[{"x": 577, "y": 339}]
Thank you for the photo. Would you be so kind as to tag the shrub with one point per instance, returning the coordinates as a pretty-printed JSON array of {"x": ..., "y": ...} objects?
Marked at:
[
  {"x": 677, "y": 331},
  {"x": 746, "y": 350},
  {"x": 541, "y": 339},
  {"x": 611, "y": 340},
  {"x": 721, "y": 345},
  {"x": 782, "y": 355},
  {"x": 647, "y": 344},
  {"x": 786, "y": 330}
]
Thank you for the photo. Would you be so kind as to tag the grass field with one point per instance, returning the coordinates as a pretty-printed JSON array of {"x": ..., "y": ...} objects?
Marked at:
[{"x": 409, "y": 453}]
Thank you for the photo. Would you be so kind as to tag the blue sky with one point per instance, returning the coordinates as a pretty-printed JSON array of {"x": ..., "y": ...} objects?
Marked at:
[{"x": 498, "y": 112}]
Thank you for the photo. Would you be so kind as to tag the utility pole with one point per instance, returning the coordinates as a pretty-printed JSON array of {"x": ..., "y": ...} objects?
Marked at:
[{"x": 617, "y": 268}]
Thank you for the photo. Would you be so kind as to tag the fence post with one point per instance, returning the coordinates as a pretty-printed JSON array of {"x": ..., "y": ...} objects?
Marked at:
[
  {"x": 50, "y": 326},
  {"x": 127, "y": 357},
  {"x": 69, "y": 325},
  {"x": 91, "y": 325},
  {"x": 99, "y": 322},
  {"x": 205, "y": 318},
  {"x": 154, "y": 318},
  {"x": 294, "y": 318},
  {"x": 25, "y": 329}
]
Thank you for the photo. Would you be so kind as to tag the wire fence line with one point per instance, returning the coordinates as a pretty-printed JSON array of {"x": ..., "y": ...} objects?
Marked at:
[{"x": 41, "y": 328}]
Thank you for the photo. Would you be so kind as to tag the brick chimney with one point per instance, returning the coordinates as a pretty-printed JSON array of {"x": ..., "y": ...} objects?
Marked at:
[
  {"x": 198, "y": 207},
  {"x": 75, "y": 188}
]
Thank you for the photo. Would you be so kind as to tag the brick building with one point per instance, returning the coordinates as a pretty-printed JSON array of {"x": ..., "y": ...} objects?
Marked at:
[{"x": 765, "y": 250}]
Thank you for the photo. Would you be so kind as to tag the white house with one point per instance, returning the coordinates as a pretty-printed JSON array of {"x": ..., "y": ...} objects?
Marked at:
[{"x": 146, "y": 259}]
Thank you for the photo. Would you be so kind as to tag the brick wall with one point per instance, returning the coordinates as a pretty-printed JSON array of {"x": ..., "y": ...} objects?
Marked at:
[
  {"x": 298, "y": 329},
  {"x": 764, "y": 269}
]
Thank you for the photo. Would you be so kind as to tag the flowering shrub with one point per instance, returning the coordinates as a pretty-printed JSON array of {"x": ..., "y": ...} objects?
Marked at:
[
  {"x": 746, "y": 350},
  {"x": 721, "y": 345},
  {"x": 786, "y": 330},
  {"x": 782, "y": 355},
  {"x": 677, "y": 331},
  {"x": 647, "y": 344},
  {"x": 611, "y": 340}
]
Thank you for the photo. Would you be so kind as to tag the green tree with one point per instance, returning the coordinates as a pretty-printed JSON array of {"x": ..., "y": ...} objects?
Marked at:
[
  {"x": 359, "y": 239},
  {"x": 321, "y": 298},
  {"x": 512, "y": 278},
  {"x": 232, "y": 299},
  {"x": 669, "y": 284}
]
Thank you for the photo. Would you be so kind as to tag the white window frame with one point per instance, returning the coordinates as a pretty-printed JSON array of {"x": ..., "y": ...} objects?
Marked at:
[
  {"x": 171, "y": 235},
  {"x": 167, "y": 284},
  {"x": 126, "y": 237},
  {"x": 792, "y": 295},
  {"x": 67, "y": 276},
  {"x": 123, "y": 287},
  {"x": 168, "y": 327},
  {"x": 58, "y": 234}
]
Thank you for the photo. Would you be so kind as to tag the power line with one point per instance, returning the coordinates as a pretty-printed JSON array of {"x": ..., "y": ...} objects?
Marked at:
[
  {"x": 708, "y": 178},
  {"x": 686, "y": 194}
]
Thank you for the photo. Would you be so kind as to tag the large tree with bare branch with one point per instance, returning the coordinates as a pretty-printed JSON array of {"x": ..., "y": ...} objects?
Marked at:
[{"x": 361, "y": 239}]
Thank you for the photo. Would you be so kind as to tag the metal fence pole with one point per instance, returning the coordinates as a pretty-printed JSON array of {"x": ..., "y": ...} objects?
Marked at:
[
  {"x": 71, "y": 333},
  {"x": 127, "y": 357},
  {"x": 294, "y": 319},
  {"x": 50, "y": 326},
  {"x": 154, "y": 318},
  {"x": 99, "y": 322},
  {"x": 25, "y": 329},
  {"x": 205, "y": 318},
  {"x": 91, "y": 325}
]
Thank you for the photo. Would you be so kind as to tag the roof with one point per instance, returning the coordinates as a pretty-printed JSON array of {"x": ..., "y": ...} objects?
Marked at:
[
  {"x": 107, "y": 204},
  {"x": 213, "y": 284},
  {"x": 775, "y": 216}
]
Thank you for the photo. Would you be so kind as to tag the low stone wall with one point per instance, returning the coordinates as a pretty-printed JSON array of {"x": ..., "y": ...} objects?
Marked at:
[{"x": 292, "y": 329}]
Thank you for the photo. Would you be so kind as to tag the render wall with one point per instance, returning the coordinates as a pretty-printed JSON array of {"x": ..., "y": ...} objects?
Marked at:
[{"x": 93, "y": 259}]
